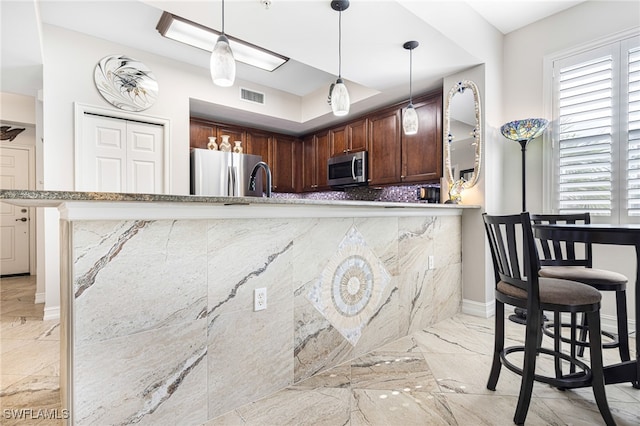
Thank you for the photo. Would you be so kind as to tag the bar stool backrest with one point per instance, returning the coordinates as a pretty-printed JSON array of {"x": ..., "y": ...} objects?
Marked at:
[{"x": 557, "y": 253}]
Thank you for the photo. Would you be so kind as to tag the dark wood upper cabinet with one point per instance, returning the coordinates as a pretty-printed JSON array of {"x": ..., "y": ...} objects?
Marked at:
[
  {"x": 357, "y": 135},
  {"x": 199, "y": 132},
  {"x": 315, "y": 152},
  {"x": 283, "y": 166},
  {"x": 322, "y": 155},
  {"x": 351, "y": 137},
  {"x": 422, "y": 152},
  {"x": 384, "y": 147},
  {"x": 338, "y": 138},
  {"x": 259, "y": 143},
  {"x": 308, "y": 169},
  {"x": 235, "y": 133}
]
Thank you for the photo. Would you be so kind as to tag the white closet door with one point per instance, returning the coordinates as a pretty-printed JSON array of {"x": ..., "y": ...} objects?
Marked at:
[
  {"x": 104, "y": 153},
  {"x": 117, "y": 155},
  {"x": 145, "y": 158}
]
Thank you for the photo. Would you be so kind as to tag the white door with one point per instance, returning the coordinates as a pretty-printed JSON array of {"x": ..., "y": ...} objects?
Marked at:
[
  {"x": 145, "y": 159},
  {"x": 14, "y": 220},
  {"x": 120, "y": 156}
]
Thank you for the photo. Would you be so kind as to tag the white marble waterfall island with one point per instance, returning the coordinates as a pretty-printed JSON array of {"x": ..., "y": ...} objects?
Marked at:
[{"x": 158, "y": 320}]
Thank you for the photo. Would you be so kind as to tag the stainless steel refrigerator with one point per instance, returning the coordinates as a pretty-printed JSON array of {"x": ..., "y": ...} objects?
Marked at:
[{"x": 218, "y": 173}]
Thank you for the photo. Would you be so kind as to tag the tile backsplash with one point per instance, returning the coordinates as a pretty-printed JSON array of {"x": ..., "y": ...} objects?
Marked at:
[{"x": 405, "y": 194}]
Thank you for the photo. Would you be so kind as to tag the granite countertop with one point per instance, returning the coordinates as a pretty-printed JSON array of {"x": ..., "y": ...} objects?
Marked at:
[{"x": 56, "y": 198}]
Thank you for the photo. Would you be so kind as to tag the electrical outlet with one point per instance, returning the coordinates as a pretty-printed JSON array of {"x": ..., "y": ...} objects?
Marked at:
[
  {"x": 259, "y": 299},
  {"x": 431, "y": 262}
]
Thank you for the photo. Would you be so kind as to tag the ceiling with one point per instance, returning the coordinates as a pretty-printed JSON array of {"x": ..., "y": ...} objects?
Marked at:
[{"x": 374, "y": 65}]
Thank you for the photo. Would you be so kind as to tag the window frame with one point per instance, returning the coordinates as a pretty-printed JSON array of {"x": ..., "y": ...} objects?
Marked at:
[{"x": 550, "y": 160}]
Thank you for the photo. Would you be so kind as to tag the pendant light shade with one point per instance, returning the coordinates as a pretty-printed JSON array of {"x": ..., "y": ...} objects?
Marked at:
[
  {"x": 410, "y": 115},
  {"x": 340, "y": 99},
  {"x": 410, "y": 120},
  {"x": 223, "y": 64},
  {"x": 339, "y": 96}
]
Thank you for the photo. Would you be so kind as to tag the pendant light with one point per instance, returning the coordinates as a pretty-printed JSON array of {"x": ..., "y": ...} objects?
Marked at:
[
  {"x": 223, "y": 64},
  {"x": 410, "y": 116},
  {"x": 339, "y": 96}
]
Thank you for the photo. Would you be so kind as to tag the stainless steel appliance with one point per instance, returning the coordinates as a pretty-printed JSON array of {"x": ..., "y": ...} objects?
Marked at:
[
  {"x": 348, "y": 170},
  {"x": 219, "y": 173}
]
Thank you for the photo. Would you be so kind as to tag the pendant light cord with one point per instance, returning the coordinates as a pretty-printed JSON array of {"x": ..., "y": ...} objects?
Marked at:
[
  {"x": 222, "y": 16},
  {"x": 410, "y": 76},
  {"x": 340, "y": 45}
]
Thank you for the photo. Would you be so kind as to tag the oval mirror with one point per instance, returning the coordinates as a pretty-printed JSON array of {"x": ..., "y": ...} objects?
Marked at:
[{"x": 463, "y": 133}]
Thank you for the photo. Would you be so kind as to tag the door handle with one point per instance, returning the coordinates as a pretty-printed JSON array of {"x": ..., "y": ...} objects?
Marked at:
[
  {"x": 353, "y": 167},
  {"x": 22, "y": 219}
]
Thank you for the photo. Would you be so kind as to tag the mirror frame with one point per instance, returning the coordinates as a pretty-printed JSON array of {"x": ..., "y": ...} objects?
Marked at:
[{"x": 460, "y": 87}]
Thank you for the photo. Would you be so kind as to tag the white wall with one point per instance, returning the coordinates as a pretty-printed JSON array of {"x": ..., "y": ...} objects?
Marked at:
[
  {"x": 18, "y": 108},
  {"x": 523, "y": 97}
]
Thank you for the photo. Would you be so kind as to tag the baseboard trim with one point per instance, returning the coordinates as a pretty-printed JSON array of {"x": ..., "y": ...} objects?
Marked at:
[
  {"x": 609, "y": 323},
  {"x": 40, "y": 298},
  {"x": 478, "y": 309},
  {"x": 51, "y": 313}
]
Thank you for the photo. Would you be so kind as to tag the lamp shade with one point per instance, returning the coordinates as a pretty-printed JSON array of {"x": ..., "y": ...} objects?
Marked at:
[
  {"x": 223, "y": 64},
  {"x": 410, "y": 120},
  {"x": 340, "y": 99},
  {"x": 524, "y": 130}
]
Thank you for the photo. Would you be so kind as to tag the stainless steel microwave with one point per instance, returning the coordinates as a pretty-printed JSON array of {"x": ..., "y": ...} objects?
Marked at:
[{"x": 348, "y": 170}]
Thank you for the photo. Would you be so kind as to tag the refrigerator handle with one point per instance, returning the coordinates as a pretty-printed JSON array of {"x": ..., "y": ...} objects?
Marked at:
[{"x": 231, "y": 190}]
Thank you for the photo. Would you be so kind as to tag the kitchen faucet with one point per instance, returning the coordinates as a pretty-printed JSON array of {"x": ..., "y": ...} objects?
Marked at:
[{"x": 267, "y": 171}]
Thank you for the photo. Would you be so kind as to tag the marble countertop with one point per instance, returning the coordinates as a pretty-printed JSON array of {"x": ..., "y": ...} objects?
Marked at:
[{"x": 30, "y": 198}]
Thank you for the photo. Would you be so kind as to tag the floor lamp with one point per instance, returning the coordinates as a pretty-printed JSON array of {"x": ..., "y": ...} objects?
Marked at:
[{"x": 523, "y": 132}]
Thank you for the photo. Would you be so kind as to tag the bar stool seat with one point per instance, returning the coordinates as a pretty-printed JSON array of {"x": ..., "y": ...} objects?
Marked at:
[{"x": 600, "y": 279}]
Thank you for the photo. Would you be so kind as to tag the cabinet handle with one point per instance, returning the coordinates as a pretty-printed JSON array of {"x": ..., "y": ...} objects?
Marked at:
[
  {"x": 401, "y": 177},
  {"x": 344, "y": 151}
]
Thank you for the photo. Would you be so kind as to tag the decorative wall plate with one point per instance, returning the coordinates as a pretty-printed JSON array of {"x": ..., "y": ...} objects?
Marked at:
[{"x": 126, "y": 83}]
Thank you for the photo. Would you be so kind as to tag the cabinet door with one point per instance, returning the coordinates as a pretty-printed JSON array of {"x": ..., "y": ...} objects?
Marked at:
[
  {"x": 322, "y": 155},
  {"x": 357, "y": 135},
  {"x": 338, "y": 138},
  {"x": 235, "y": 134},
  {"x": 422, "y": 152},
  {"x": 284, "y": 162},
  {"x": 258, "y": 144},
  {"x": 384, "y": 148},
  {"x": 308, "y": 171},
  {"x": 199, "y": 132}
]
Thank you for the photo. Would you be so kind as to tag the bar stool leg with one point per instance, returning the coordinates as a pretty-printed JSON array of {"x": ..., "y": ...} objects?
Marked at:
[
  {"x": 623, "y": 330},
  {"x": 597, "y": 381}
]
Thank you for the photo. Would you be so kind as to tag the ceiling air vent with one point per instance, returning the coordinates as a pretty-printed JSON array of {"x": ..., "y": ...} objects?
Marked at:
[{"x": 251, "y": 96}]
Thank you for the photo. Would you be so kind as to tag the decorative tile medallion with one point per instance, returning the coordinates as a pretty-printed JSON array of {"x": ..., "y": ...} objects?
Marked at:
[{"x": 350, "y": 287}]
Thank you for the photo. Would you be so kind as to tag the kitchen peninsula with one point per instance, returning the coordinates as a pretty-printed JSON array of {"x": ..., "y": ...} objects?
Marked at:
[{"x": 158, "y": 322}]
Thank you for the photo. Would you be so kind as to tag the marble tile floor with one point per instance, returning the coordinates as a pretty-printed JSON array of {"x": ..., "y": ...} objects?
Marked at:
[{"x": 434, "y": 377}]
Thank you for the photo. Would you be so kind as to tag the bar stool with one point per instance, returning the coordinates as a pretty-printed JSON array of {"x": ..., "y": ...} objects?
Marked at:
[
  {"x": 525, "y": 289},
  {"x": 569, "y": 265}
]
